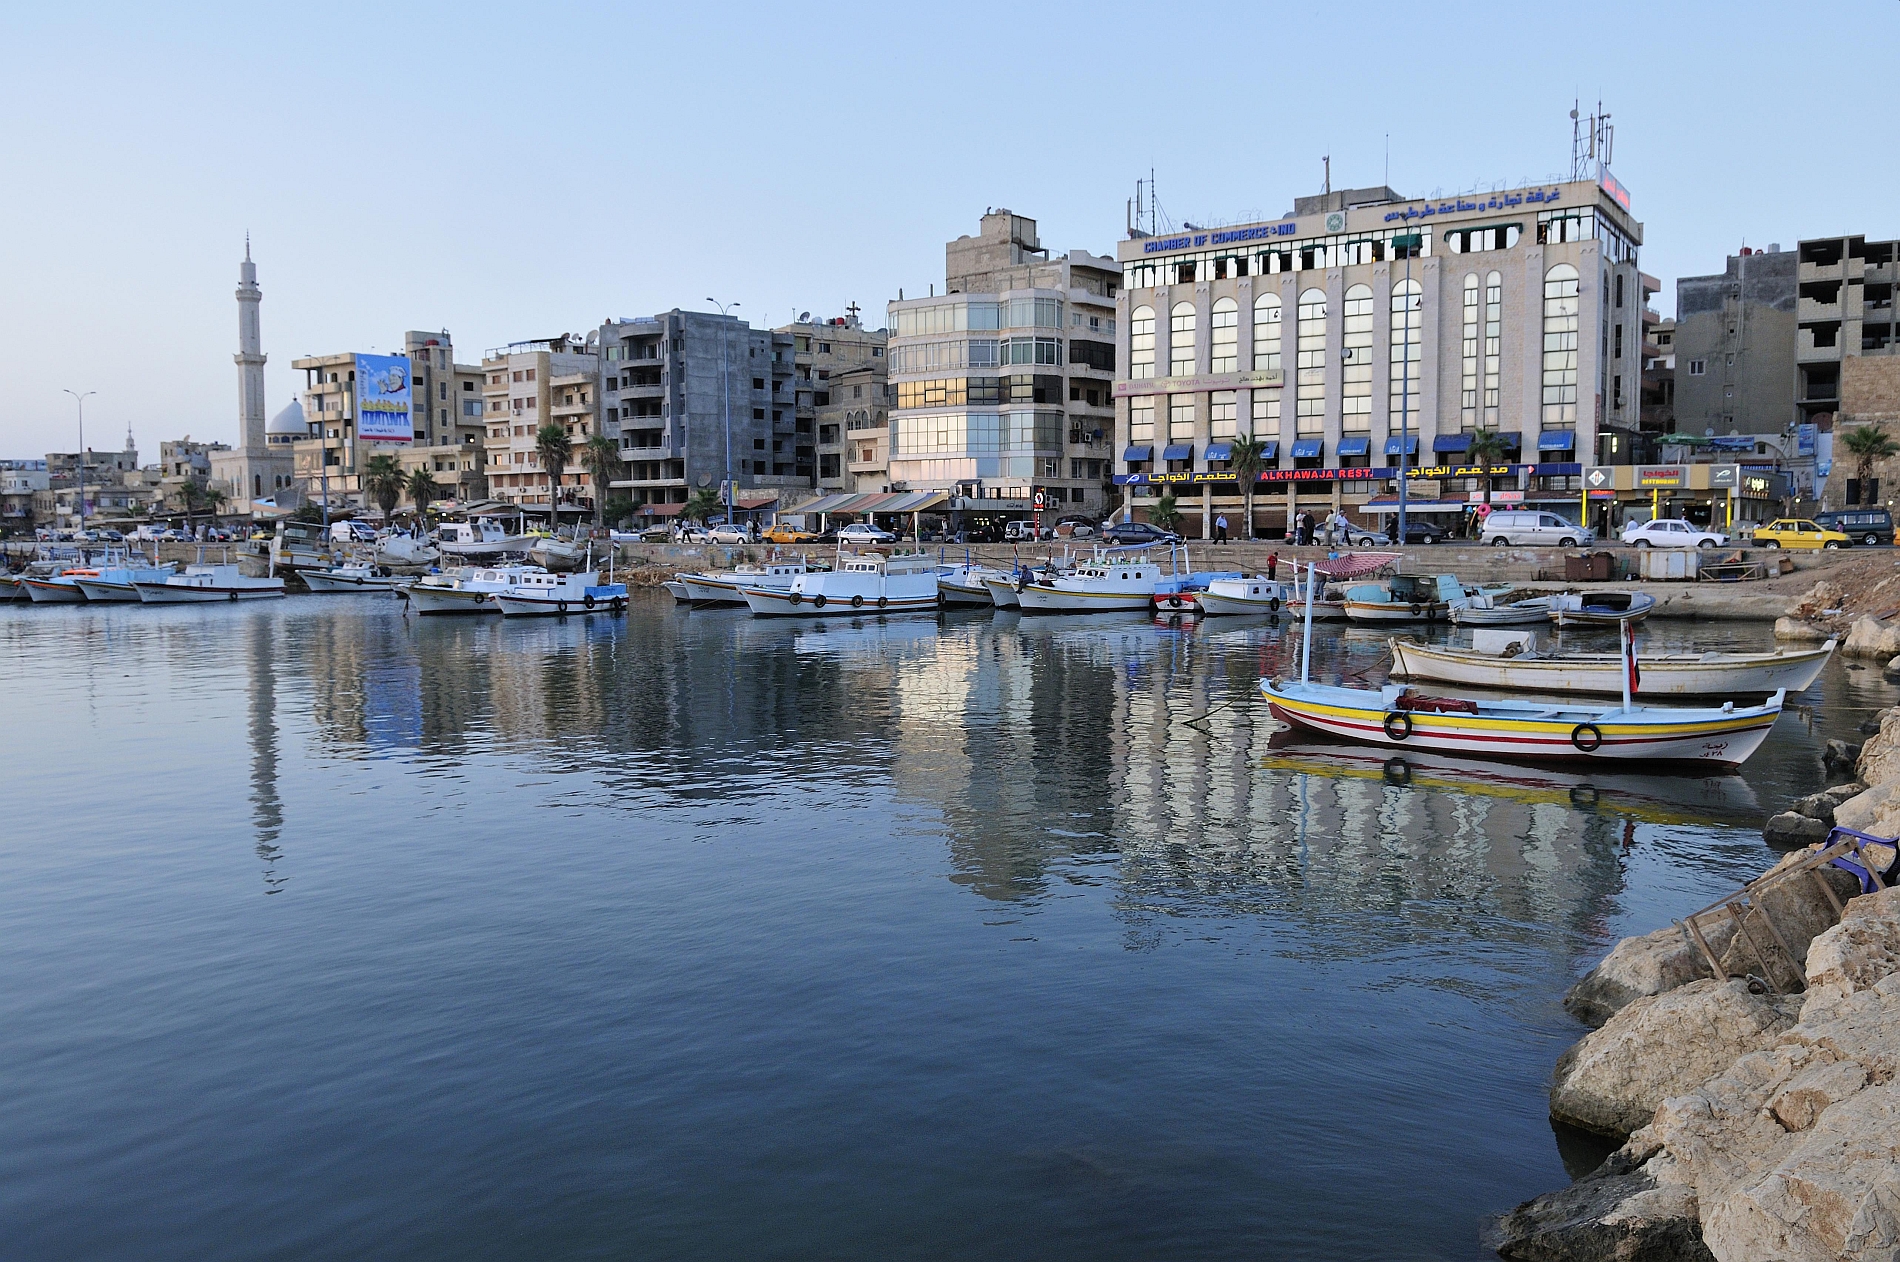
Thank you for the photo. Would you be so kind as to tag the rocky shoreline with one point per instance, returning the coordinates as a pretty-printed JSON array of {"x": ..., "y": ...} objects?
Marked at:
[{"x": 1745, "y": 1058}]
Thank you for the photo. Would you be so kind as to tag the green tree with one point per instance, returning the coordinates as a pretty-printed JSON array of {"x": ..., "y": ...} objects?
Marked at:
[
  {"x": 187, "y": 495},
  {"x": 383, "y": 479},
  {"x": 1249, "y": 457},
  {"x": 214, "y": 501},
  {"x": 1165, "y": 514},
  {"x": 1867, "y": 444},
  {"x": 423, "y": 488},
  {"x": 1487, "y": 448},
  {"x": 555, "y": 448},
  {"x": 619, "y": 508},
  {"x": 602, "y": 457},
  {"x": 704, "y": 504}
]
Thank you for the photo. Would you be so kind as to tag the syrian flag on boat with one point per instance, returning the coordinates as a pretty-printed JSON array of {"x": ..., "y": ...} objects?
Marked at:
[{"x": 1629, "y": 657}]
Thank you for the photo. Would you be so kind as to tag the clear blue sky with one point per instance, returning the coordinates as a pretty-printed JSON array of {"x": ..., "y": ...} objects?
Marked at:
[{"x": 513, "y": 171}]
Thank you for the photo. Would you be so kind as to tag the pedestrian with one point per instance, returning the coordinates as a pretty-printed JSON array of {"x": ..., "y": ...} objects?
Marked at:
[
  {"x": 1307, "y": 525},
  {"x": 1273, "y": 565},
  {"x": 1342, "y": 526},
  {"x": 1220, "y": 528}
]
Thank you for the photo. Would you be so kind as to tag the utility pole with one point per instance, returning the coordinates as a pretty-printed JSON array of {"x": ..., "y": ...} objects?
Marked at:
[
  {"x": 725, "y": 385},
  {"x": 81, "y": 400}
]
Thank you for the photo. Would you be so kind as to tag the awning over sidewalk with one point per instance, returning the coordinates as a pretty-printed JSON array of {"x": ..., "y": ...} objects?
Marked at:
[{"x": 875, "y": 502}]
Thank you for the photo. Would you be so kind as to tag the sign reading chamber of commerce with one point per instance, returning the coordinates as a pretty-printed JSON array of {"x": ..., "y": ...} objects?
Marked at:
[{"x": 382, "y": 399}]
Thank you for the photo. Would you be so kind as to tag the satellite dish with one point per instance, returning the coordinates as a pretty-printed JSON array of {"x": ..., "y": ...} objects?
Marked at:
[{"x": 804, "y": 316}]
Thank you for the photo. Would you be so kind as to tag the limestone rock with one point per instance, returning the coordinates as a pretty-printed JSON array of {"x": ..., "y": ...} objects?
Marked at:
[
  {"x": 1791, "y": 828},
  {"x": 1615, "y": 1213},
  {"x": 1867, "y": 808},
  {"x": 1858, "y": 953},
  {"x": 1798, "y": 629},
  {"x": 1870, "y": 637},
  {"x": 1646, "y": 965},
  {"x": 1821, "y": 599},
  {"x": 1799, "y": 911},
  {"x": 1839, "y": 753},
  {"x": 1613, "y": 1081},
  {"x": 1880, "y": 754}
]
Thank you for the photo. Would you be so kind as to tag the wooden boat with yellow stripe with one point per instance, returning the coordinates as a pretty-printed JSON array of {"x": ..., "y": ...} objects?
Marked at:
[{"x": 1400, "y": 717}]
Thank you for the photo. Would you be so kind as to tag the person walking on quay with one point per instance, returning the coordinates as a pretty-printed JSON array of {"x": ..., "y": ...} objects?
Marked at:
[
  {"x": 1273, "y": 565},
  {"x": 1220, "y": 528},
  {"x": 1307, "y": 523},
  {"x": 1342, "y": 526}
]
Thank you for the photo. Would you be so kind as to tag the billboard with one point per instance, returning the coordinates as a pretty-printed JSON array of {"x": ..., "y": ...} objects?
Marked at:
[{"x": 382, "y": 399}]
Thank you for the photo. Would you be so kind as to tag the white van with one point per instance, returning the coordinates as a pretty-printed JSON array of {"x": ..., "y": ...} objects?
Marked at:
[{"x": 1526, "y": 529}]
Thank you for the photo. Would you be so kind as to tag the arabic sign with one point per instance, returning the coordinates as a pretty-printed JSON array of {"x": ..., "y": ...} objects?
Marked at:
[
  {"x": 1659, "y": 475},
  {"x": 1266, "y": 377},
  {"x": 1461, "y": 205},
  {"x": 382, "y": 399}
]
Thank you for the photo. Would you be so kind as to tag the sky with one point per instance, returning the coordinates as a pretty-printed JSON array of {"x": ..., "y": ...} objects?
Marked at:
[{"x": 511, "y": 172}]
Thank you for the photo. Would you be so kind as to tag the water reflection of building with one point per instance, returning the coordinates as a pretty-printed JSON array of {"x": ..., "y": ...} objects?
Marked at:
[{"x": 267, "y": 811}]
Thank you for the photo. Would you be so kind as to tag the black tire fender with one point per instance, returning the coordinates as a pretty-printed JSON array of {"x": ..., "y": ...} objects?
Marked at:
[
  {"x": 1273, "y": 604},
  {"x": 620, "y": 606},
  {"x": 234, "y": 595},
  {"x": 884, "y": 601},
  {"x": 857, "y": 601},
  {"x": 560, "y": 606},
  {"x": 588, "y": 600},
  {"x": 818, "y": 601},
  {"x": 1587, "y": 737},
  {"x": 1398, "y": 724},
  {"x": 795, "y": 599},
  {"x": 1417, "y": 609}
]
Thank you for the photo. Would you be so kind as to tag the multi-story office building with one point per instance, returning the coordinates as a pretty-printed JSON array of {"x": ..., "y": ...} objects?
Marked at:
[
  {"x": 446, "y": 424},
  {"x": 1364, "y": 322},
  {"x": 1735, "y": 347},
  {"x": 839, "y": 383},
  {"x": 1003, "y": 386},
  {"x": 527, "y": 385},
  {"x": 691, "y": 393}
]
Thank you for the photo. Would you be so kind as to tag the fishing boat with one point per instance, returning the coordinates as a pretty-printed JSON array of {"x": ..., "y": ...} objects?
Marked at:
[
  {"x": 967, "y": 585},
  {"x": 1114, "y": 579},
  {"x": 406, "y": 554},
  {"x": 1482, "y": 610},
  {"x": 545, "y": 593},
  {"x": 1180, "y": 595},
  {"x": 57, "y": 589},
  {"x": 1659, "y": 674},
  {"x": 681, "y": 593},
  {"x": 1600, "y": 609},
  {"x": 481, "y": 537},
  {"x": 860, "y": 583},
  {"x": 12, "y": 587},
  {"x": 120, "y": 583},
  {"x": 552, "y": 552},
  {"x": 728, "y": 587},
  {"x": 204, "y": 584},
  {"x": 1242, "y": 595},
  {"x": 354, "y": 577},
  {"x": 467, "y": 590},
  {"x": 1404, "y": 598}
]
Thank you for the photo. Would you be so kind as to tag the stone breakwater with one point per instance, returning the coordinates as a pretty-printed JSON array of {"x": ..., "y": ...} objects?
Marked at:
[{"x": 1759, "y": 1114}]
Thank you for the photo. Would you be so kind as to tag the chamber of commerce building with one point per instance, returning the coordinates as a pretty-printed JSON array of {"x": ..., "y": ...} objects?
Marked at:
[{"x": 1366, "y": 331}]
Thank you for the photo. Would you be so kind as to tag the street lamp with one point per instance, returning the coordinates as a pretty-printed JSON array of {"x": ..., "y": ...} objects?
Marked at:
[
  {"x": 725, "y": 384},
  {"x": 81, "y": 400}
]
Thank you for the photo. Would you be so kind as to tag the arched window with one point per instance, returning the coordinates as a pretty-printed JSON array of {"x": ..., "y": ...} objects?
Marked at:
[
  {"x": 1309, "y": 401},
  {"x": 1468, "y": 358},
  {"x": 1408, "y": 325},
  {"x": 1266, "y": 332},
  {"x": 1493, "y": 327},
  {"x": 1355, "y": 386},
  {"x": 1560, "y": 347},
  {"x": 1141, "y": 343},
  {"x": 1223, "y": 326},
  {"x": 1181, "y": 340}
]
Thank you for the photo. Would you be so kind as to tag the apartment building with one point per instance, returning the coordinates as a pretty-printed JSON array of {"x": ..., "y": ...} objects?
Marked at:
[
  {"x": 1003, "y": 386},
  {"x": 19, "y": 480},
  {"x": 526, "y": 385},
  {"x": 691, "y": 394},
  {"x": 840, "y": 410},
  {"x": 1735, "y": 346}
]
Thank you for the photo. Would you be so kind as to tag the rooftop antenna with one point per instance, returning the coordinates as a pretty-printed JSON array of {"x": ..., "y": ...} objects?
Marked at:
[
  {"x": 1388, "y": 160},
  {"x": 1328, "y": 161}
]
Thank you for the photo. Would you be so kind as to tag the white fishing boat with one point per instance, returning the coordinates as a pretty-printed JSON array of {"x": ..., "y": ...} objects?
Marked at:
[
  {"x": 679, "y": 591},
  {"x": 1404, "y": 598},
  {"x": 1179, "y": 595},
  {"x": 1243, "y": 595},
  {"x": 57, "y": 589},
  {"x": 482, "y": 537},
  {"x": 728, "y": 587},
  {"x": 406, "y": 554},
  {"x": 299, "y": 545},
  {"x": 355, "y": 577},
  {"x": 1113, "y": 580},
  {"x": 12, "y": 587},
  {"x": 1600, "y": 609},
  {"x": 467, "y": 590},
  {"x": 1003, "y": 590},
  {"x": 545, "y": 593},
  {"x": 552, "y": 552},
  {"x": 1482, "y": 610},
  {"x": 1659, "y": 674},
  {"x": 967, "y": 586},
  {"x": 204, "y": 584},
  {"x": 860, "y": 583},
  {"x": 119, "y": 584}
]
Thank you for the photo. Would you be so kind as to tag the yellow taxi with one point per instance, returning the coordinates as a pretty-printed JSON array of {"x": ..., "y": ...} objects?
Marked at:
[
  {"x": 781, "y": 533},
  {"x": 1797, "y": 532}
]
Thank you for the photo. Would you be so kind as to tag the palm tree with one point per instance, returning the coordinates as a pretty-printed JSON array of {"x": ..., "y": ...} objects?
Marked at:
[
  {"x": 423, "y": 489},
  {"x": 1164, "y": 514},
  {"x": 1248, "y": 457},
  {"x": 1867, "y": 444},
  {"x": 705, "y": 503},
  {"x": 382, "y": 478},
  {"x": 555, "y": 449},
  {"x": 1487, "y": 448},
  {"x": 602, "y": 458},
  {"x": 188, "y": 494},
  {"x": 214, "y": 502}
]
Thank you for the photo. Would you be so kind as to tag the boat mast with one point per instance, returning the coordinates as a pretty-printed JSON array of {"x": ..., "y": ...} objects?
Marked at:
[{"x": 1306, "y": 647}]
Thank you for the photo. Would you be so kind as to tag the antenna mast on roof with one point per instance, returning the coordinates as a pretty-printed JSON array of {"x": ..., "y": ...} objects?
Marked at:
[{"x": 1327, "y": 160}]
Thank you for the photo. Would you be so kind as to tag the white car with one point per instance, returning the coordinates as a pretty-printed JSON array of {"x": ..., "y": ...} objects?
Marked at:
[
  {"x": 695, "y": 534},
  {"x": 865, "y": 532},
  {"x": 1672, "y": 532},
  {"x": 725, "y": 533}
]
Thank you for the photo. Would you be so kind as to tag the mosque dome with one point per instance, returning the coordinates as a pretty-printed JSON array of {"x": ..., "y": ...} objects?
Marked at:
[{"x": 289, "y": 423}]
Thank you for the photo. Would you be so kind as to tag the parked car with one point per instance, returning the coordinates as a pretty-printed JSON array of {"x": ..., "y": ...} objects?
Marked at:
[
  {"x": 1077, "y": 526},
  {"x": 695, "y": 534},
  {"x": 1527, "y": 528},
  {"x": 730, "y": 532},
  {"x": 865, "y": 532},
  {"x": 351, "y": 532},
  {"x": 1421, "y": 530},
  {"x": 656, "y": 534},
  {"x": 1672, "y": 532},
  {"x": 1866, "y": 526},
  {"x": 782, "y": 533},
  {"x": 112, "y": 536},
  {"x": 1797, "y": 532},
  {"x": 1024, "y": 531},
  {"x": 1134, "y": 532},
  {"x": 1357, "y": 536}
]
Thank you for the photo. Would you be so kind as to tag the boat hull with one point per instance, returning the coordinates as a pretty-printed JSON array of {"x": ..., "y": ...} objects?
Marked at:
[
  {"x": 965, "y": 595},
  {"x": 447, "y": 600},
  {"x": 1529, "y": 731},
  {"x": 169, "y": 594},
  {"x": 1003, "y": 593},
  {"x": 1392, "y": 613},
  {"x": 679, "y": 591},
  {"x": 46, "y": 591},
  {"x": 1684, "y": 675},
  {"x": 12, "y": 587},
  {"x": 1506, "y": 617},
  {"x": 775, "y": 604},
  {"x": 348, "y": 583},
  {"x": 102, "y": 591},
  {"x": 711, "y": 589},
  {"x": 611, "y": 598},
  {"x": 1043, "y": 598}
]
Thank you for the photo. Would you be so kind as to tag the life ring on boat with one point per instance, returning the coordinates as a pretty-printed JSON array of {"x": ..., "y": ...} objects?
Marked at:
[
  {"x": 1398, "y": 724},
  {"x": 560, "y": 606},
  {"x": 1273, "y": 604},
  {"x": 882, "y": 601},
  {"x": 794, "y": 599},
  {"x": 588, "y": 600},
  {"x": 857, "y": 601},
  {"x": 1417, "y": 609},
  {"x": 620, "y": 606},
  {"x": 1587, "y": 737},
  {"x": 818, "y": 601},
  {"x": 234, "y": 596}
]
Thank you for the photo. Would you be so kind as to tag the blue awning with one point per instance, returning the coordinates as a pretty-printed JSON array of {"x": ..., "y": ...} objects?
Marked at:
[
  {"x": 1307, "y": 448},
  {"x": 1220, "y": 451},
  {"x": 1354, "y": 446},
  {"x": 1411, "y": 445},
  {"x": 1272, "y": 451},
  {"x": 1451, "y": 442},
  {"x": 1135, "y": 455},
  {"x": 1178, "y": 451},
  {"x": 1557, "y": 440},
  {"x": 1511, "y": 439}
]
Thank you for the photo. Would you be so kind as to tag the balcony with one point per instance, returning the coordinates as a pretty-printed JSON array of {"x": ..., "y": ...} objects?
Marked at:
[{"x": 1807, "y": 309}]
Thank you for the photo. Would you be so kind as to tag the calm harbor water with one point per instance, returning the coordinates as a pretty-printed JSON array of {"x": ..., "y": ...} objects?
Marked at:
[{"x": 324, "y": 931}]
